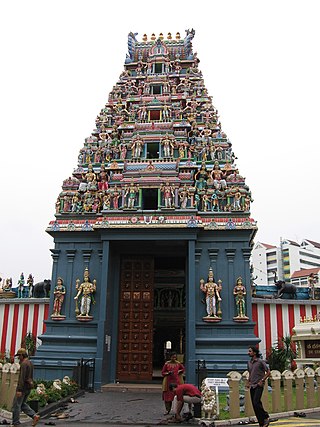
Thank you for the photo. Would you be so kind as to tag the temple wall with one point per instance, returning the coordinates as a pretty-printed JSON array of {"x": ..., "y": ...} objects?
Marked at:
[
  {"x": 273, "y": 318},
  {"x": 276, "y": 318},
  {"x": 20, "y": 316}
]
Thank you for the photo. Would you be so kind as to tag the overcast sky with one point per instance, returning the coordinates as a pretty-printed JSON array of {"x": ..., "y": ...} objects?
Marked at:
[{"x": 60, "y": 59}]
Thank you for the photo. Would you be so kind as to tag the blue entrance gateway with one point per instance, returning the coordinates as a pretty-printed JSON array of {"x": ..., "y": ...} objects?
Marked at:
[{"x": 152, "y": 232}]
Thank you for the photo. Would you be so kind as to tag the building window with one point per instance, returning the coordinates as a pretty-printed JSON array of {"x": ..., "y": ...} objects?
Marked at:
[
  {"x": 158, "y": 68},
  {"x": 156, "y": 90},
  {"x": 150, "y": 199},
  {"x": 155, "y": 115},
  {"x": 152, "y": 150}
]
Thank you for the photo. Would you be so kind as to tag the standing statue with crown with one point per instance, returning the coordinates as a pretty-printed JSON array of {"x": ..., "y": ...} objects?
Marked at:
[
  {"x": 212, "y": 298},
  {"x": 85, "y": 290}
]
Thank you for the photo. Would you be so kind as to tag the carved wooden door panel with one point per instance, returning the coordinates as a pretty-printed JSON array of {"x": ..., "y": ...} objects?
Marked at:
[{"x": 135, "y": 340}]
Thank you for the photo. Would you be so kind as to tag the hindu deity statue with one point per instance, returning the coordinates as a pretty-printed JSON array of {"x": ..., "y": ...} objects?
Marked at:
[
  {"x": 239, "y": 292},
  {"x": 85, "y": 291},
  {"x": 212, "y": 296}
]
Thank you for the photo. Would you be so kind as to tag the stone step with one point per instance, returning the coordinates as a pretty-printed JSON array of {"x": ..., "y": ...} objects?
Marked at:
[{"x": 133, "y": 387}]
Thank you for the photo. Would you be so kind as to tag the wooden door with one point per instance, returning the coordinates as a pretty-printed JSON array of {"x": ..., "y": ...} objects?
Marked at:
[{"x": 135, "y": 340}]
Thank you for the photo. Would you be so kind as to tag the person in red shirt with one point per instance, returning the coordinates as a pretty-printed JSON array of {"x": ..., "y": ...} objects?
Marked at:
[
  {"x": 186, "y": 393},
  {"x": 172, "y": 372}
]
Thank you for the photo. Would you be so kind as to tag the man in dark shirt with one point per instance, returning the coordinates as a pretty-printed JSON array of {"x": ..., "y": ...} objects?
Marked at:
[
  {"x": 258, "y": 373},
  {"x": 24, "y": 386},
  {"x": 186, "y": 393}
]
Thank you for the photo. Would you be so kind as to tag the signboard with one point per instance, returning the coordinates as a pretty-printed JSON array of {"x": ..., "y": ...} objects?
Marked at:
[
  {"x": 217, "y": 382},
  {"x": 312, "y": 348}
]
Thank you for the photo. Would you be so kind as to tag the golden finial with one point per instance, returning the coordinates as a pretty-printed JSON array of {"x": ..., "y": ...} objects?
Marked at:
[
  {"x": 169, "y": 36},
  {"x": 145, "y": 37},
  {"x": 153, "y": 36},
  {"x": 178, "y": 36},
  {"x": 161, "y": 36}
]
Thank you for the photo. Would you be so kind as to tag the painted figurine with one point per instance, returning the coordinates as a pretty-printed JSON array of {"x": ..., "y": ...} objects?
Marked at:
[
  {"x": 168, "y": 195},
  {"x": 239, "y": 292},
  {"x": 59, "y": 293},
  {"x": 86, "y": 291},
  {"x": 30, "y": 282},
  {"x": 212, "y": 294},
  {"x": 312, "y": 282},
  {"x": 21, "y": 283}
]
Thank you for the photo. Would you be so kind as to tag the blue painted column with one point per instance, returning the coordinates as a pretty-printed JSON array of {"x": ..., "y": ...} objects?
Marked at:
[
  {"x": 70, "y": 304},
  {"x": 229, "y": 308},
  {"x": 102, "y": 347},
  {"x": 213, "y": 255},
  {"x": 246, "y": 252},
  {"x": 55, "y": 253},
  {"x": 190, "y": 363}
]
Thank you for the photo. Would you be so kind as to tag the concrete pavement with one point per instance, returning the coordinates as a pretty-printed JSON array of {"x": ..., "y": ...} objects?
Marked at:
[{"x": 123, "y": 408}]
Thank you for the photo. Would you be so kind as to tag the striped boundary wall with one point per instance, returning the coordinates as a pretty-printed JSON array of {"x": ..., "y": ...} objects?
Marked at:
[
  {"x": 274, "y": 319},
  {"x": 20, "y": 316}
]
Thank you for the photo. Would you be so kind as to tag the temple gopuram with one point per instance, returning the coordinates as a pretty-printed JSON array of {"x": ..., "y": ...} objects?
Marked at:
[{"x": 152, "y": 231}]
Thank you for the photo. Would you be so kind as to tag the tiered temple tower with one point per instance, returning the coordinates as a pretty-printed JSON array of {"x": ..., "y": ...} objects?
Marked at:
[{"x": 152, "y": 231}]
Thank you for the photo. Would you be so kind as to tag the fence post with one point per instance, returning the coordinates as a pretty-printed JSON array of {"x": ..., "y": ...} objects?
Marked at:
[
  {"x": 318, "y": 386},
  {"x": 299, "y": 379},
  {"x": 309, "y": 373},
  {"x": 287, "y": 389},
  {"x": 234, "y": 395},
  {"x": 265, "y": 397},
  {"x": 248, "y": 409},
  {"x": 275, "y": 377},
  {"x": 1, "y": 383}
]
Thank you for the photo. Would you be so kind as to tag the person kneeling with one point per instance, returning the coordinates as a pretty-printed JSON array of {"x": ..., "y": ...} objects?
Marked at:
[{"x": 186, "y": 393}]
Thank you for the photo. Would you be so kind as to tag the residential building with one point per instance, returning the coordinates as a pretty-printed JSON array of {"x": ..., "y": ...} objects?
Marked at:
[{"x": 283, "y": 260}]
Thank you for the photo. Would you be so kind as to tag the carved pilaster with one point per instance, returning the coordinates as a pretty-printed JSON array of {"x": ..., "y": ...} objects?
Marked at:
[
  {"x": 86, "y": 254},
  {"x": 213, "y": 255},
  {"x": 246, "y": 253},
  {"x": 55, "y": 253},
  {"x": 197, "y": 254},
  {"x": 228, "y": 289},
  {"x": 71, "y": 253},
  {"x": 230, "y": 254}
]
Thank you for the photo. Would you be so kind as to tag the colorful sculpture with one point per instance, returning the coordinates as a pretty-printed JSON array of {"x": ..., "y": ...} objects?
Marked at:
[
  {"x": 85, "y": 291},
  {"x": 30, "y": 281},
  {"x": 21, "y": 282},
  {"x": 239, "y": 292},
  {"x": 212, "y": 297},
  {"x": 166, "y": 120},
  {"x": 59, "y": 294}
]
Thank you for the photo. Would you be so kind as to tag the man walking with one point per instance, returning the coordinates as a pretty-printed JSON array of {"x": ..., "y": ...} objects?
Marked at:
[
  {"x": 186, "y": 393},
  {"x": 24, "y": 386},
  {"x": 258, "y": 373}
]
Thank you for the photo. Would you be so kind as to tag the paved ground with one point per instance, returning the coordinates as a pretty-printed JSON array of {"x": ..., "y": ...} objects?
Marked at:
[{"x": 117, "y": 409}]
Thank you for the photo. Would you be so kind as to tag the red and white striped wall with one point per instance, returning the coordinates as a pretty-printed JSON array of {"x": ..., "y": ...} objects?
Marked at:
[
  {"x": 276, "y": 318},
  {"x": 18, "y": 317}
]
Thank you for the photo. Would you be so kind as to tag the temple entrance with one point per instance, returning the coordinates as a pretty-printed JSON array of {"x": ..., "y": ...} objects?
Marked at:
[
  {"x": 151, "y": 314},
  {"x": 135, "y": 320},
  {"x": 169, "y": 309}
]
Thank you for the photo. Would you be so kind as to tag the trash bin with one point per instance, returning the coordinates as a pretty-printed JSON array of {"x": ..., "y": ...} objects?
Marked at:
[
  {"x": 197, "y": 410},
  {"x": 202, "y": 372}
]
